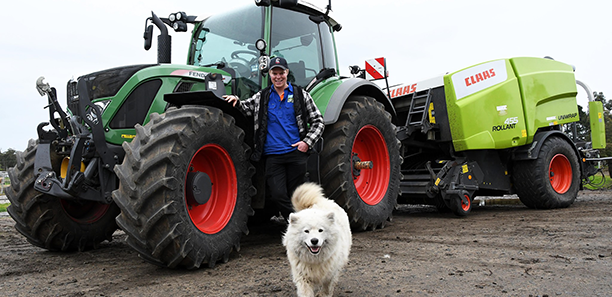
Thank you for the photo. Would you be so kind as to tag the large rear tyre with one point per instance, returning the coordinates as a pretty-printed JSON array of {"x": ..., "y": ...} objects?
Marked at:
[
  {"x": 185, "y": 188},
  {"x": 550, "y": 181},
  {"x": 53, "y": 223},
  {"x": 364, "y": 132}
]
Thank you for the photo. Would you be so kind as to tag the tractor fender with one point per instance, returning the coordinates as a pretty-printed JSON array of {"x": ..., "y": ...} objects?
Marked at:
[
  {"x": 531, "y": 151},
  {"x": 351, "y": 87},
  {"x": 208, "y": 98}
]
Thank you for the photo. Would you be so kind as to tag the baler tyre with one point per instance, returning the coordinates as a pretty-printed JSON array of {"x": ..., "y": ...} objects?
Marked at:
[
  {"x": 550, "y": 181},
  {"x": 458, "y": 207},
  {"x": 166, "y": 225},
  {"x": 52, "y": 223},
  {"x": 363, "y": 132}
]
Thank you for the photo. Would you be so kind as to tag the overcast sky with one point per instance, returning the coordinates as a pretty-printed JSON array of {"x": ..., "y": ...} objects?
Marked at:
[{"x": 420, "y": 39}]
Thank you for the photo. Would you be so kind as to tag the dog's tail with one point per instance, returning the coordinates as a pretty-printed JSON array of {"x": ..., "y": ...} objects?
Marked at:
[{"x": 306, "y": 195}]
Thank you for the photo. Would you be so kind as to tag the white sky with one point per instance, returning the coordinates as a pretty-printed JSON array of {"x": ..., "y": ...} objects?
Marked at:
[{"x": 62, "y": 39}]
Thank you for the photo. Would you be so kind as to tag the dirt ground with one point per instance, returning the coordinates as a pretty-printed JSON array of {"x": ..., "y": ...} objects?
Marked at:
[{"x": 498, "y": 250}]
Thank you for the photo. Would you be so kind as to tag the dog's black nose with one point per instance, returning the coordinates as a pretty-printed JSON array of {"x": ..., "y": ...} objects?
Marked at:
[{"x": 314, "y": 241}]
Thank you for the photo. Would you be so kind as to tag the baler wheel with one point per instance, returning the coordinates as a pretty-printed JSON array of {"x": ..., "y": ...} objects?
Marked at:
[
  {"x": 550, "y": 181},
  {"x": 461, "y": 207}
]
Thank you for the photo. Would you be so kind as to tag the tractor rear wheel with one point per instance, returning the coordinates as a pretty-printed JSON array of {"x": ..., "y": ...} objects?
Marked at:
[
  {"x": 550, "y": 181},
  {"x": 364, "y": 132},
  {"x": 185, "y": 188},
  {"x": 53, "y": 223}
]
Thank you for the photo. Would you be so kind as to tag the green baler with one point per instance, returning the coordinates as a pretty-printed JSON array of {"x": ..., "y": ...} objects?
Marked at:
[{"x": 494, "y": 128}]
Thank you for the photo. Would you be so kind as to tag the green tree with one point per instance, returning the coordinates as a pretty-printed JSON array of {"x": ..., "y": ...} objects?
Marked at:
[{"x": 8, "y": 159}]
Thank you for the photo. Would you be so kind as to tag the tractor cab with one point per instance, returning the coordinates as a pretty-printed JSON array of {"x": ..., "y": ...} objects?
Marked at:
[{"x": 242, "y": 41}]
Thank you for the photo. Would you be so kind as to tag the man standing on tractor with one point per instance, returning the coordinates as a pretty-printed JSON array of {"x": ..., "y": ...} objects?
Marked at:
[{"x": 287, "y": 123}]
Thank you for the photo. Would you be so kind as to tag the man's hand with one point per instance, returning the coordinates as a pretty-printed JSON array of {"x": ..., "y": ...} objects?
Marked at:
[
  {"x": 232, "y": 99},
  {"x": 301, "y": 146}
]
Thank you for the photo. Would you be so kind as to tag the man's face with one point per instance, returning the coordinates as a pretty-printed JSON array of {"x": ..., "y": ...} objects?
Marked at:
[{"x": 279, "y": 77}]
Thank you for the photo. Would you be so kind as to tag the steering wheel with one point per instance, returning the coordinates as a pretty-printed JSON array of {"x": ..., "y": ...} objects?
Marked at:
[
  {"x": 240, "y": 64},
  {"x": 235, "y": 54}
]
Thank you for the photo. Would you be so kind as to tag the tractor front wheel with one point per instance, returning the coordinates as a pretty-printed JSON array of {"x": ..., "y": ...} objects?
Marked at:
[
  {"x": 550, "y": 181},
  {"x": 185, "y": 188},
  {"x": 53, "y": 223},
  {"x": 361, "y": 162}
]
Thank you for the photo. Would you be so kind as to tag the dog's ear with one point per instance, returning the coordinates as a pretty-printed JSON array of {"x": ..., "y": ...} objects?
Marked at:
[
  {"x": 293, "y": 218},
  {"x": 331, "y": 217}
]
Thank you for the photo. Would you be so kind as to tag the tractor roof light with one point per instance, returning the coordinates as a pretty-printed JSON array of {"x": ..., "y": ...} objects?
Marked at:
[{"x": 179, "y": 26}]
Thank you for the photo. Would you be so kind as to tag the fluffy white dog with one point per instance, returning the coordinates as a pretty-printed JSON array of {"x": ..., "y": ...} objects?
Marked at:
[{"x": 318, "y": 241}]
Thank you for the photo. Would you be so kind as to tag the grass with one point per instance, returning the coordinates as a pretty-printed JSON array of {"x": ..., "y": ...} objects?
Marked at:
[
  {"x": 598, "y": 184},
  {"x": 4, "y": 206}
]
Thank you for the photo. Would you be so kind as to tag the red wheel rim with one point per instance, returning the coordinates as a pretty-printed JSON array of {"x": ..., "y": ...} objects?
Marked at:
[
  {"x": 466, "y": 207},
  {"x": 214, "y": 215},
  {"x": 372, "y": 184},
  {"x": 560, "y": 173},
  {"x": 84, "y": 213}
]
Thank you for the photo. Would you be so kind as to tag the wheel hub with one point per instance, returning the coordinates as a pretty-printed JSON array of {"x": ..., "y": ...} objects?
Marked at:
[
  {"x": 358, "y": 165},
  {"x": 198, "y": 188}
]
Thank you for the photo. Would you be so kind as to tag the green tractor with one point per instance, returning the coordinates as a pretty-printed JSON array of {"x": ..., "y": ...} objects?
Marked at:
[{"x": 155, "y": 150}]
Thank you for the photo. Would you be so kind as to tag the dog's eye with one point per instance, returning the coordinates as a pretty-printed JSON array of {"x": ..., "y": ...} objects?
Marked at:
[
  {"x": 320, "y": 230},
  {"x": 306, "y": 231}
]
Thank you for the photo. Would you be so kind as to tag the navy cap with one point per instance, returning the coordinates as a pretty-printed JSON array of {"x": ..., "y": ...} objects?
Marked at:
[{"x": 278, "y": 62}]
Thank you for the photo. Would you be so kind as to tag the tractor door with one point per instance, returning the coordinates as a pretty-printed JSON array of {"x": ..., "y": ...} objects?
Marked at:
[{"x": 305, "y": 42}]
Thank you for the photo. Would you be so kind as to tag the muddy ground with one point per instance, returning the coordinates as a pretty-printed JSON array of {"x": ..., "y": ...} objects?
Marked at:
[{"x": 498, "y": 250}]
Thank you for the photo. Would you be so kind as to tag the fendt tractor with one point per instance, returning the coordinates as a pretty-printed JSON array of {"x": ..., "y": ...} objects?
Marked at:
[{"x": 155, "y": 150}]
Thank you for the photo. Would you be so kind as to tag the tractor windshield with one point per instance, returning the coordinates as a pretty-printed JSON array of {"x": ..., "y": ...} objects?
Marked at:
[{"x": 230, "y": 38}]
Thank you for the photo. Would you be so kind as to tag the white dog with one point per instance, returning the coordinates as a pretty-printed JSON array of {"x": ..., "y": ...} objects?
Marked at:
[{"x": 318, "y": 241}]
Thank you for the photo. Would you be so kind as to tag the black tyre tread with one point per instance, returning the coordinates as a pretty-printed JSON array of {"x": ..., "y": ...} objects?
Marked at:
[
  {"x": 40, "y": 217},
  {"x": 336, "y": 162},
  {"x": 150, "y": 193},
  {"x": 456, "y": 207},
  {"x": 531, "y": 181}
]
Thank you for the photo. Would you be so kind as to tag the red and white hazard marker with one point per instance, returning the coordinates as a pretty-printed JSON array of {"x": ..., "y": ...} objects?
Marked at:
[{"x": 375, "y": 69}]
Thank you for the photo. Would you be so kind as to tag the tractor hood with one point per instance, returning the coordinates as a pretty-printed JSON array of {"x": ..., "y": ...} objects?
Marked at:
[{"x": 106, "y": 83}]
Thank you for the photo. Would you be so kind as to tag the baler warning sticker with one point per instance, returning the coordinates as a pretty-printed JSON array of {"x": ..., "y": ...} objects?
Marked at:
[{"x": 479, "y": 77}]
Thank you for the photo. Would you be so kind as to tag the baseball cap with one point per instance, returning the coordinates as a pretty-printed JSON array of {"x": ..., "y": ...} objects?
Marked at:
[{"x": 278, "y": 62}]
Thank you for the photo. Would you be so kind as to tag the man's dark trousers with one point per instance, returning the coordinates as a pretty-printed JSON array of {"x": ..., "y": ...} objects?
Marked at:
[{"x": 284, "y": 173}]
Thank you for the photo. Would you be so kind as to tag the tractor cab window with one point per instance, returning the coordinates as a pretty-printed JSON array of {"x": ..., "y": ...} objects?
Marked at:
[
  {"x": 230, "y": 39},
  {"x": 307, "y": 46}
]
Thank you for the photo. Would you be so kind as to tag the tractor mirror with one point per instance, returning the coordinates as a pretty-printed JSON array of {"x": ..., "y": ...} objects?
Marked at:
[{"x": 148, "y": 36}]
